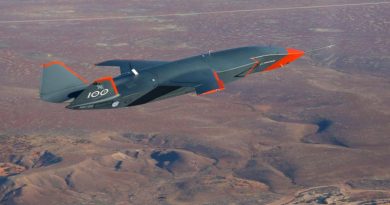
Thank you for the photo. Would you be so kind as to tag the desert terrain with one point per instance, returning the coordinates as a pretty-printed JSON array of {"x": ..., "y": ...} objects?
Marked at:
[{"x": 314, "y": 132}]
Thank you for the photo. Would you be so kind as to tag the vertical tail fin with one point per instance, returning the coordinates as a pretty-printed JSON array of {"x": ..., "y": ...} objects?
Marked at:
[{"x": 59, "y": 82}]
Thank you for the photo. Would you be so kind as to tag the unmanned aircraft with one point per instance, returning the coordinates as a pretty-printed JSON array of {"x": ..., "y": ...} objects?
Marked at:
[{"x": 142, "y": 82}]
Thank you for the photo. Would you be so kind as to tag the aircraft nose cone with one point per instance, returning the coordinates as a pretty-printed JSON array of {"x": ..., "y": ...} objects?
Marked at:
[{"x": 292, "y": 55}]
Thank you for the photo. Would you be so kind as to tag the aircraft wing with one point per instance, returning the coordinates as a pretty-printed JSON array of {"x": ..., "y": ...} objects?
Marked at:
[
  {"x": 204, "y": 81},
  {"x": 127, "y": 65}
]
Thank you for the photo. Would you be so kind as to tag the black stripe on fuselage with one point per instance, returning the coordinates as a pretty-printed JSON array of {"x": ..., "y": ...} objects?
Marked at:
[{"x": 154, "y": 94}]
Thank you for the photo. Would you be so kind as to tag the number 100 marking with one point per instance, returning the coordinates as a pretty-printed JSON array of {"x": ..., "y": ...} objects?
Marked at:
[{"x": 97, "y": 93}]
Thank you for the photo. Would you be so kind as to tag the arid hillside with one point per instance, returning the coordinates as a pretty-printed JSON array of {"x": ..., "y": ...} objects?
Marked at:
[{"x": 314, "y": 132}]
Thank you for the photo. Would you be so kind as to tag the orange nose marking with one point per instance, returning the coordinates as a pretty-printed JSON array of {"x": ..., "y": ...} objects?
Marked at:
[{"x": 292, "y": 55}]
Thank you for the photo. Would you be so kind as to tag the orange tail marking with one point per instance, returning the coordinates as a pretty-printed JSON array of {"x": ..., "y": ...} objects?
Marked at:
[
  {"x": 108, "y": 78},
  {"x": 47, "y": 65}
]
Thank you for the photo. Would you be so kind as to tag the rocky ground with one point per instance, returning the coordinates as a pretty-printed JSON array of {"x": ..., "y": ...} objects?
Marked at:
[{"x": 316, "y": 132}]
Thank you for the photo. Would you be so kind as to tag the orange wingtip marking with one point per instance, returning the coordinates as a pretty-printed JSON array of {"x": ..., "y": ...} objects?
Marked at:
[
  {"x": 292, "y": 55},
  {"x": 47, "y": 65},
  {"x": 210, "y": 92},
  {"x": 221, "y": 85},
  {"x": 257, "y": 63},
  {"x": 111, "y": 80}
]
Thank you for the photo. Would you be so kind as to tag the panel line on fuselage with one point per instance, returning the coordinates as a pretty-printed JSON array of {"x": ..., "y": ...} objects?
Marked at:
[{"x": 252, "y": 62}]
